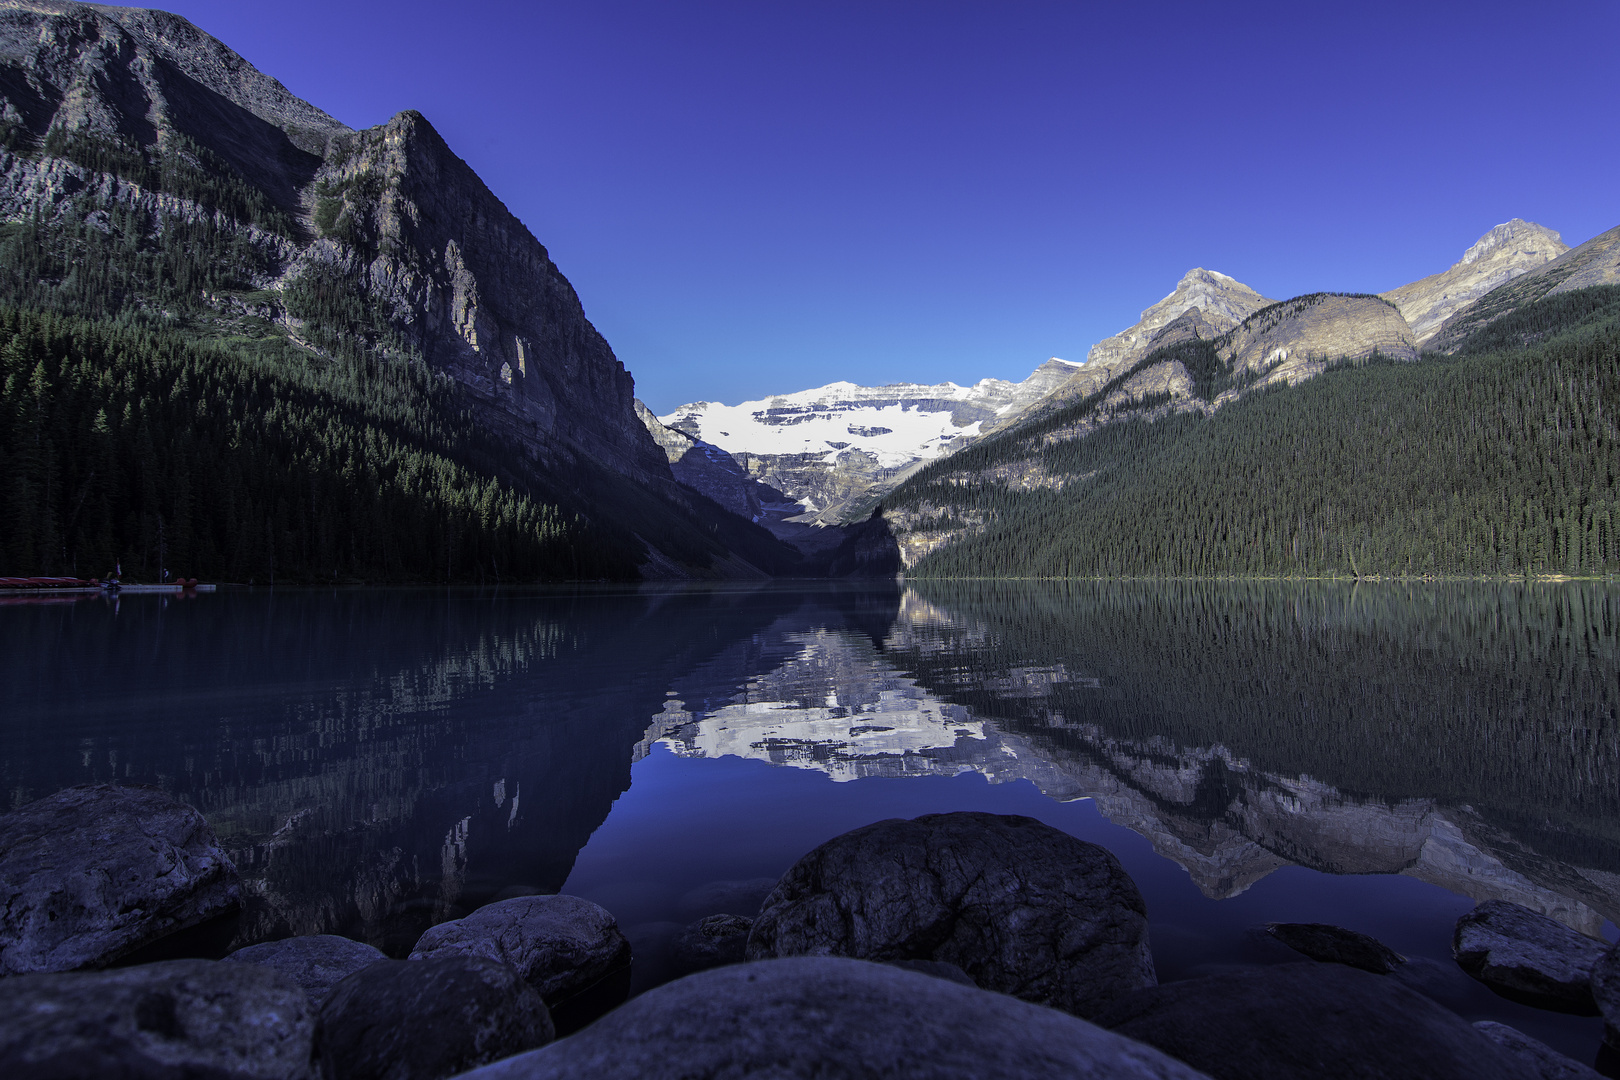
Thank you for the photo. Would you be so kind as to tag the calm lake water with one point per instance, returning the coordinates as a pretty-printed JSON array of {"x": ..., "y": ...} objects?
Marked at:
[{"x": 1377, "y": 756}]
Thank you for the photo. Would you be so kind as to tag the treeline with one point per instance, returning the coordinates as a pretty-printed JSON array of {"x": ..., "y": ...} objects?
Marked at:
[
  {"x": 118, "y": 443},
  {"x": 1501, "y": 460}
]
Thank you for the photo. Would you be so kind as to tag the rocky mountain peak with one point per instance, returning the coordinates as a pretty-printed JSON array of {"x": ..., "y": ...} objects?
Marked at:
[
  {"x": 1223, "y": 300},
  {"x": 1510, "y": 250}
]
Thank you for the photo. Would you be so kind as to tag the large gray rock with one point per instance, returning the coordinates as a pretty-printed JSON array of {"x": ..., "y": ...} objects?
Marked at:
[
  {"x": 831, "y": 1017},
  {"x": 1527, "y": 957},
  {"x": 1336, "y": 945},
  {"x": 1606, "y": 994},
  {"x": 1018, "y": 905},
  {"x": 1541, "y": 1059},
  {"x": 317, "y": 962},
  {"x": 422, "y": 1020},
  {"x": 181, "y": 1019},
  {"x": 711, "y": 942},
  {"x": 561, "y": 944},
  {"x": 1322, "y": 1021},
  {"x": 92, "y": 873}
]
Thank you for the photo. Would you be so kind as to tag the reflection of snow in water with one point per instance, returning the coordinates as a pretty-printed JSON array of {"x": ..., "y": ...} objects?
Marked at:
[{"x": 836, "y": 707}]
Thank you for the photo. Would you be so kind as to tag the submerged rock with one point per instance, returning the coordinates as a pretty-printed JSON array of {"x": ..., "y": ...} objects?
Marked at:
[
  {"x": 1020, "y": 906},
  {"x": 181, "y": 1019},
  {"x": 92, "y": 873},
  {"x": 1336, "y": 945},
  {"x": 1527, "y": 957},
  {"x": 1543, "y": 1061},
  {"x": 427, "y": 1019},
  {"x": 1323, "y": 1021},
  {"x": 831, "y": 1017},
  {"x": 712, "y": 942},
  {"x": 317, "y": 962},
  {"x": 561, "y": 945},
  {"x": 1606, "y": 994}
]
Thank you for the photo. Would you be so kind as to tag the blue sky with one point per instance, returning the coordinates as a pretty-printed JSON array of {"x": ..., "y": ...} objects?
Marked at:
[{"x": 759, "y": 197}]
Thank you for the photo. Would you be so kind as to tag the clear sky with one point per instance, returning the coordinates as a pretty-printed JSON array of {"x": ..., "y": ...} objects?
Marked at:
[{"x": 761, "y": 196}]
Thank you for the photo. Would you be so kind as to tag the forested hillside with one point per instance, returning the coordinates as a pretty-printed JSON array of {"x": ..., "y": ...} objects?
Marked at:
[{"x": 1500, "y": 459}]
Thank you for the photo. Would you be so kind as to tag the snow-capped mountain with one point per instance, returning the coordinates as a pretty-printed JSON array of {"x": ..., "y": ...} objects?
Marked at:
[{"x": 843, "y": 444}]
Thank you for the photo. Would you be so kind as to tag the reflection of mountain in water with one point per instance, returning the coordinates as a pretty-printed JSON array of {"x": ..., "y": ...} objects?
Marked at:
[
  {"x": 1062, "y": 699},
  {"x": 379, "y": 761}
]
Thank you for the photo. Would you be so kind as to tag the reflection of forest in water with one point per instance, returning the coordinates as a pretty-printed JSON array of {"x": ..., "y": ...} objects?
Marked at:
[{"x": 380, "y": 760}]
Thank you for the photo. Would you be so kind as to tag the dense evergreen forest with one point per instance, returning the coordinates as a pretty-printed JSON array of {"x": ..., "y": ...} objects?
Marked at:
[
  {"x": 150, "y": 405},
  {"x": 1501, "y": 459}
]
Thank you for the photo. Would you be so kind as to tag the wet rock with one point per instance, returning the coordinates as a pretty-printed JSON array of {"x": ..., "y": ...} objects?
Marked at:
[
  {"x": 561, "y": 945},
  {"x": 426, "y": 1019},
  {"x": 180, "y": 1019},
  {"x": 1527, "y": 957},
  {"x": 1322, "y": 1021},
  {"x": 1606, "y": 994},
  {"x": 1335, "y": 945},
  {"x": 710, "y": 943},
  {"x": 317, "y": 962},
  {"x": 92, "y": 873},
  {"x": 1018, "y": 905},
  {"x": 832, "y": 1017},
  {"x": 1542, "y": 1060}
]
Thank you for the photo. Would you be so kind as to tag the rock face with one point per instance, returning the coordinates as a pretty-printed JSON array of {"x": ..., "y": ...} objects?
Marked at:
[
  {"x": 422, "y": 1020},
  {"x": 1596, "y": 262},
  {"x": 1528, "y": 957},
  {"x": 1221, "y": 302},
  {"x": 560, "y": 945},
  {"x": 827, "y": 1017},
  {"x": 316, "y": 963},
  {"x": 1508, "y": 251},
  {"x": 1606, "y": 994},
  {"x": 1336, "y": 945},
  {"x": 1318, "y": 1020},
  {"x": 841, "y": 445},
  {"x": 1297, "y": 338},
  {"x": 1542, "y": 1060},
  {"x": 94, "y": 872},
  {"x": 712, "y": 942},
  {"x": 179, "y": 1019},
  {"x": 1018, "y": 905}
]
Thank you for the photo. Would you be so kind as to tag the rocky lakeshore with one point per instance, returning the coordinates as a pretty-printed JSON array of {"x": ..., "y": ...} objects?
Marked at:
[{"x": 960, "y": 944}]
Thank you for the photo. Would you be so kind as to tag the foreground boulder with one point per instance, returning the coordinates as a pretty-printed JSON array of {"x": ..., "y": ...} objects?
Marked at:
[
  {"x": 561, "y": 945},
  {"x": 1324, "y": 1021},
  {"x": 92, "y": 873},
  {"x": 1542, "y": 1060},
  {"x": 1606, "y": 994},
  {"x": 712, "y": 942},
  {"x": 427, "y": 1019},
  {"x": 181, "y": 1019},
  {"x": 1527, "y": 957},
  {"x": 1335, "y": 945},
  {"x": 316, "y": 963},
  {"x": 831, "y": 1017},
  {"x": 1020, "y": 906}
]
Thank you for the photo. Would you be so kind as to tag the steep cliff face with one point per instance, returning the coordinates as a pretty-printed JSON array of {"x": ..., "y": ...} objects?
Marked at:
[
  {"x": 379, "y": 249},
  {"x": 1510, "y": 250}
]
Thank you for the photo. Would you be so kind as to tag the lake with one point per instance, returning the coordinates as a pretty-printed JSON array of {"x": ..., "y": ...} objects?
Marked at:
[{"x": 1380, "y": 756}]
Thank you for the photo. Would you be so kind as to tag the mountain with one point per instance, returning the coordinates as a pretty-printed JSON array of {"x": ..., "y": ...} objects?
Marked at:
[
  {"x": 841, "y": 446},
  {"x": 1593, "y": 264},
  {"x": 1310, "y": 438},
  {"x": 1508, "y": 251},
  {"x": 152, "y": 179}
]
